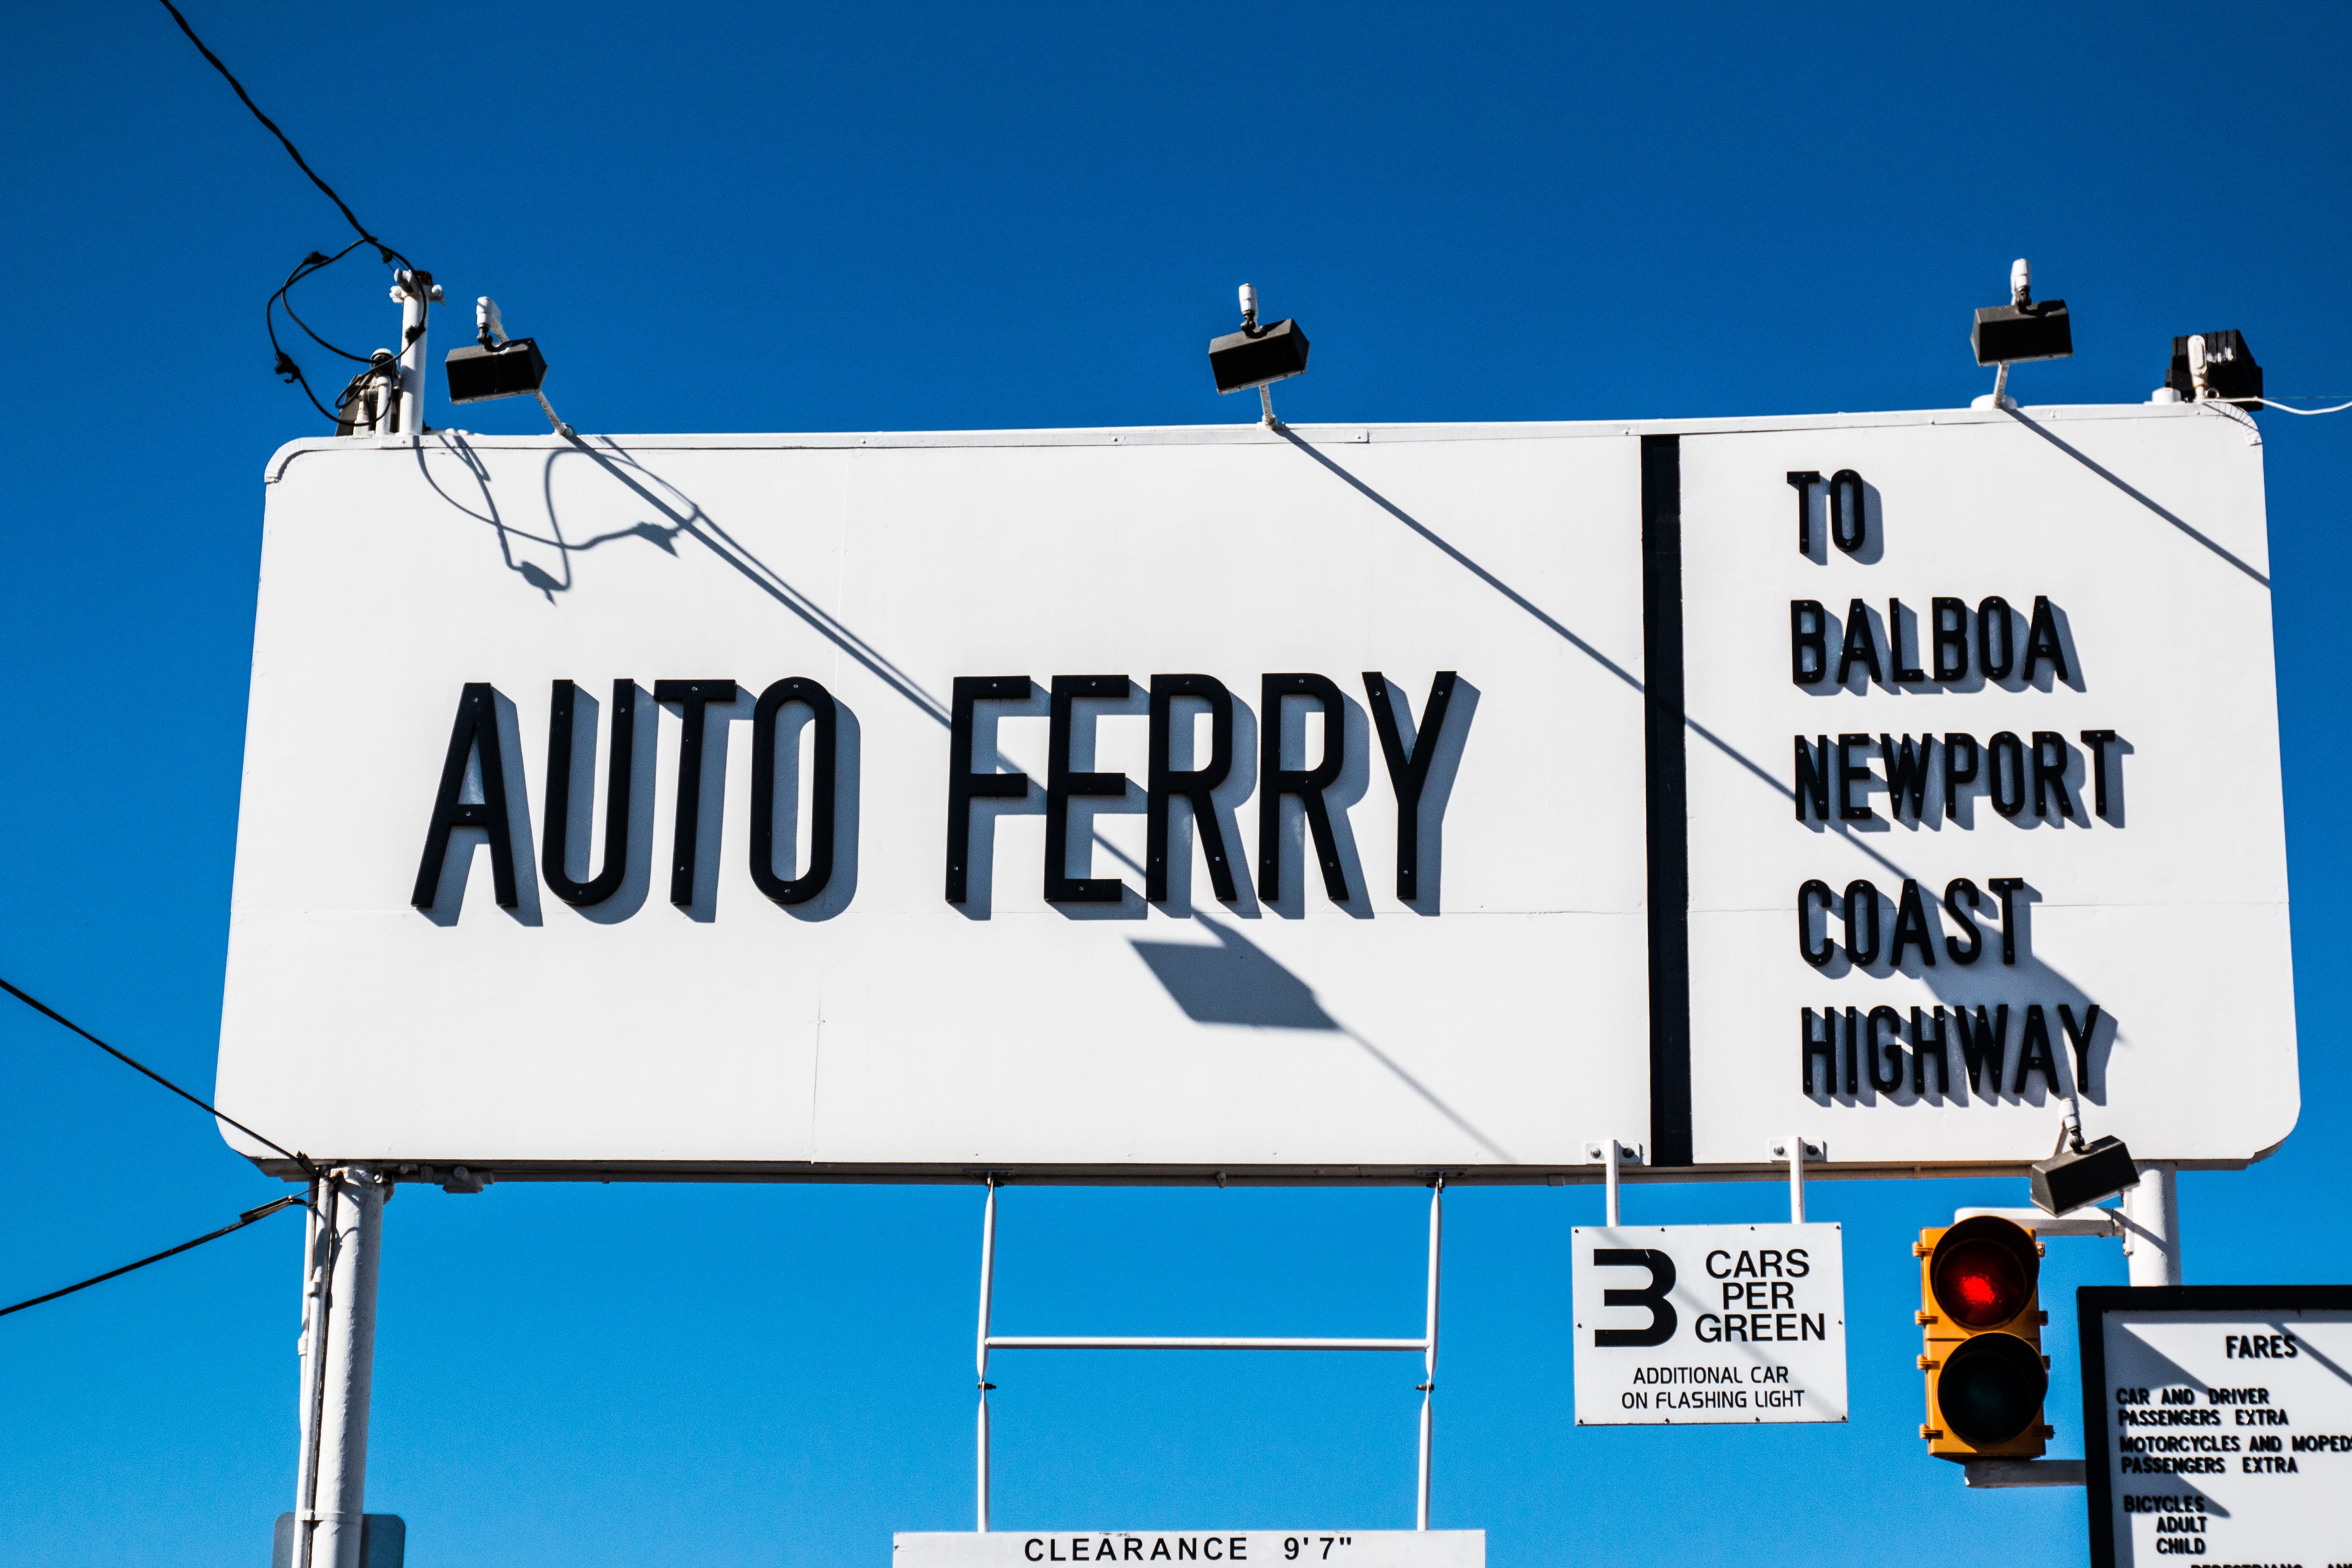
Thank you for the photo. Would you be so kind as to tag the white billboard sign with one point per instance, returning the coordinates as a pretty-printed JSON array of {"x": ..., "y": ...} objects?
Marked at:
[
  {"x": 1261, "y": 1548},
  {"x": 1324, "y": 804},
  {"x": 1708, "y": 1324},
  {"x": 2217, "y": 1423}
]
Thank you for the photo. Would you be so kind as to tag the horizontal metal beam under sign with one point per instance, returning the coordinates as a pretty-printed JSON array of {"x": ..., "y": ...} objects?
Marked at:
[
  {"x": 1339, "y": 1548},
  {"x": 2217, "y": 1423},
  {"x": 1709, "y": 1324}
]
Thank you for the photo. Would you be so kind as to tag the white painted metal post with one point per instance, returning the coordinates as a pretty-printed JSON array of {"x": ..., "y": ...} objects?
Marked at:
[
  {"x": 1608, "y": 1150},
  {"x": 347, "y": 1368},
  {"x": 317, "y": 1263},
  {"x": 987, "y": 1278},
  {"x": 1429, "y": 1345},
  {"x": 410, "y": 289},
  {"x": 2152, "y": 1227},
  {"x": 1796, "y": 1180}
]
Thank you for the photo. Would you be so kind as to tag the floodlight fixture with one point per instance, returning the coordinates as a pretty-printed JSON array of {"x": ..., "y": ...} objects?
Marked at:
[
  {"x": 2215, "y": 367},
  {"x": 2083, "y": 1174},
  {"x": 1257, "y": 356},
  {"x": 495, "y": 366},
  {"x": 2021, "y": 330}
]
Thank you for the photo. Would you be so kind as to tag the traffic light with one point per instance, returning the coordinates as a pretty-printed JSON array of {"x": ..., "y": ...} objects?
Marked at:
[{"x": 1981, "y": 1311}]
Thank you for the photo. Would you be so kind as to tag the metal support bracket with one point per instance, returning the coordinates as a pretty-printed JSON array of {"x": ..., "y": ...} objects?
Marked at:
[
  {"x": 1426, "y": 1345},
  {"x": 1998, "y": 1473}
]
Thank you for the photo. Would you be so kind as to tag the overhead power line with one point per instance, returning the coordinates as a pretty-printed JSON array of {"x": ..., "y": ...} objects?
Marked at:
[
  {"x": 271, "y": 125},
  {"x": 246, "y": 1219},
  {"x": 284, "y": 364},
  {"x": 37, "y": 1006}
]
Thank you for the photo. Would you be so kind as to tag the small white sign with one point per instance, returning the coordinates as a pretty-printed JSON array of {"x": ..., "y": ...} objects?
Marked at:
[
  {"x": 2219, "y": 1424},
  {"x": 1687, "y": 1324},
  {"x": 1339, "y": 1548}
]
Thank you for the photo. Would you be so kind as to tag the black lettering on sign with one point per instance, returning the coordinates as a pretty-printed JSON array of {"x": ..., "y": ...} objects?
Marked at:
[
  {"x": 693, "y": 699},
  {"x": 555, "y": 848},
  {"x": 1948, "y": 634},
  {"x": 1930, "y": 1046},
  {"x": 2033, "y": 1052},
  {"x": 1905, "y": 671},
  {"x": 2050, "y": 762},
  {"x": 1994, "y": 630},
  {"x": 476, "y": 730},
  {"x": 1812, "y": 779},
  {"x": 2097, "y": 741},
  {"x": 1907, "y": 774},
  {"x": 1409, "y": 770},
  {"x": 2043, "y": 644},
  {"x": 825, "y": 738},
  {"x": 1815, "y": 892},
  {"x": 1661, "y": 1327},
  {"x": 1849, "y": 521},
  {"x": 1823, "y": 1046},
  {"x": 1197, "y": 786},
  {"x": 1961, "y": 758},
  {"x": 2005, "y": 773},
  {"x": 1063, "y": 785},
  {"x": 1911, "y": 928},
  {"x": 2078, "y": 1039},
  {"x": 1808, "y": 649},
  {"x": 1862, "y": 922},
  {"x": 1957, "y": 892},
  {"x": 1860, "y": 646},
  {"x": 964, "y": 786},
  {"x": 1983, "y": 1046},
  {"x": 1851, "y": 773},
  {"x": 1306, "y": 784},
  {"x": 1804, "y": 481},
  {"x": 1886, "y": 1055}
]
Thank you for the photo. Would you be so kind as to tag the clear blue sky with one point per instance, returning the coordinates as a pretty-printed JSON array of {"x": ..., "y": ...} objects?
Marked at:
[{"x": 749, "y": 217}]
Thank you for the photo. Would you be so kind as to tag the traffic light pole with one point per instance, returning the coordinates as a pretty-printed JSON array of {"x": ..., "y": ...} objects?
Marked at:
[{"x": 2152, "y": 1227}]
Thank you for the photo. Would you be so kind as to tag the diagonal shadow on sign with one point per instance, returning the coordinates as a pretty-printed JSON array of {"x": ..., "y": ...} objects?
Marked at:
[
  {"x": 1947, "y": 983},
  {"x": 1236, "y": 981},
  {"x": 2215, "y": 547}
]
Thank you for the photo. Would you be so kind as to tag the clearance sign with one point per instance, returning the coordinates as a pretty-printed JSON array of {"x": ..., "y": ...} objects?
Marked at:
[{"x": 1332, "y": 803}]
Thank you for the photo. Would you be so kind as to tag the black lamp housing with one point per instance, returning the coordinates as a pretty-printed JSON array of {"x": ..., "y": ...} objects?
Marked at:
[
  {"x": 477, "y": 374},
  {"x": 1255, "y": 358},
  {"x": 2231, "y": 372},
  {"x": 2009, "y": 334},
  {"x": 2100, "y": 1169}
]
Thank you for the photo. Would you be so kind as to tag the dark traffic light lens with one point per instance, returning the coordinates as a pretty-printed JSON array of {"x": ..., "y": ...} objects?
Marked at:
[
  {"x": 1980, "y": 1283},
  {"x": 1991, "y": 1389}
]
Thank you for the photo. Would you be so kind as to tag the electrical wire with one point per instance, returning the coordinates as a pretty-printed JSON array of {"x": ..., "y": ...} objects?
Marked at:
[
  {"x": 2283, "y": 408},
  {"x": 248, "y": 1217},
  {"x": 284, "y": 364},
  {"x": 47, "y": 1011}
]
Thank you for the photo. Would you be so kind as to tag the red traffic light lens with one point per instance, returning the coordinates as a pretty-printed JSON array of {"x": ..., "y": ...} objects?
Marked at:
[
  {"x": 1991, "y": 1389},
  {"x": 1981, "y": 1282}
]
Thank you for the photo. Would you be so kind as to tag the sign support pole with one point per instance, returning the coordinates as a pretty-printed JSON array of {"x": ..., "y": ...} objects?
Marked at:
[
  {"x": 2152, "y": 1225},
  {"x": 987, "y": 1279},
  {"x": 1429, "y": 1341},
  {"x": 339, "y": 1369},
  {"x": 1796, "y": 1180}
]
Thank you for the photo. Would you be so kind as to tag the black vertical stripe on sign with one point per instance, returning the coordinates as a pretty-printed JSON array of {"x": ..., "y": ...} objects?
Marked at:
[{"x": 1666, "y": 798}]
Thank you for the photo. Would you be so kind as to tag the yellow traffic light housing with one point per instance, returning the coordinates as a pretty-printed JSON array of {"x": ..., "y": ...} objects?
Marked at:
[{"x": 1980, "y": 1305}]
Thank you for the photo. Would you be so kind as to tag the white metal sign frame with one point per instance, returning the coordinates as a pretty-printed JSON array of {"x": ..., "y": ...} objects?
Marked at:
[{"x": 1634, "y": 920}]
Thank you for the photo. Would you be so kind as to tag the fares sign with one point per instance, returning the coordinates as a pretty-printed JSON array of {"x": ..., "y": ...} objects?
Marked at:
[
  {"x": 1325, "y": 804},
  {"x": 2217, "y": 1423},
  {"x": 1708, "y": 1324}
]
